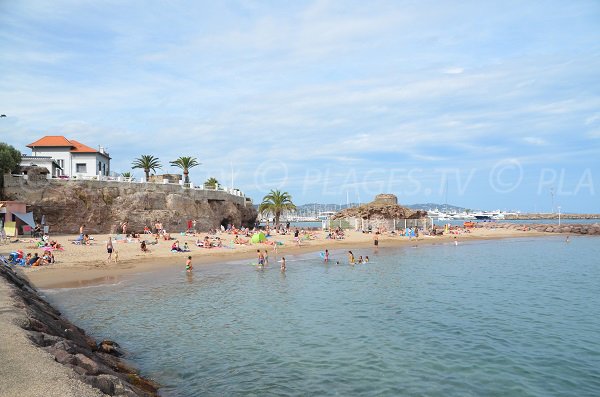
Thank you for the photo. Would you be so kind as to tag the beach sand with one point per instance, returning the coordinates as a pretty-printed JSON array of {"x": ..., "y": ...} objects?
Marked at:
[{"x": 80, "y": 265}]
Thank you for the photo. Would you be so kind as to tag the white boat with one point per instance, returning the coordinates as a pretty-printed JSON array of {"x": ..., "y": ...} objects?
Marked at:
[{"x": 325, "y": 215}]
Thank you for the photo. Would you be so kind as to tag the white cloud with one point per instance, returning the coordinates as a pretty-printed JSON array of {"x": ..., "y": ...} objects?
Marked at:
[
  {"x": 453, "y": 71},
  {"x": 532, "y": 140}
]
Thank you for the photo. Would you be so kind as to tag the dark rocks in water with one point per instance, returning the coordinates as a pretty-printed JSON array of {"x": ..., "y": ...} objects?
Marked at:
[
  {"x": 110, "y": 347},
  {"x": 585, "y": 229},
  {"x": 95, "y": 364}
]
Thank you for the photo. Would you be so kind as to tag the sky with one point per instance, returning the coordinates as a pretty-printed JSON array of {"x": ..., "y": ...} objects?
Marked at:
[{"x": 485, "y": 105}]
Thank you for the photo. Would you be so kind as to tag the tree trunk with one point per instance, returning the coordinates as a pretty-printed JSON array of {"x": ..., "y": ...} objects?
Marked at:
[
  {"x": 147, "y": 172},
  {"x": 277, "y": 215},
  {"x": 186, "y": 177}
]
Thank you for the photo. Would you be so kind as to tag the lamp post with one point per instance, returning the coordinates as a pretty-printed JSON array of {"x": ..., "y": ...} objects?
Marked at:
[{"x": 559, "y": 215}]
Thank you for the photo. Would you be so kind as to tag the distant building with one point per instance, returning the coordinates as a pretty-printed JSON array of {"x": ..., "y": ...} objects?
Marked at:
[{"x": 74, "y": 159}]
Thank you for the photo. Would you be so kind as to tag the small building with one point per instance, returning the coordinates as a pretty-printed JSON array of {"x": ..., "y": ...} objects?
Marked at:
[
  {"x": 42, "y": 162},
  {"x": 14, "y": 218},
  {"x": 74, "y": 158}
]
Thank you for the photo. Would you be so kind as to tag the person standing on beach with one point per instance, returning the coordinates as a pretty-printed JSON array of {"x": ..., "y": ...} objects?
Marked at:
[
  {"x": 109, "y": 249},
  {"x": 297, "y": 237},
  {"x": 376, "y": 239},
  {"x": 124, "y": 228},
  {"x": 188, "y": 265}
]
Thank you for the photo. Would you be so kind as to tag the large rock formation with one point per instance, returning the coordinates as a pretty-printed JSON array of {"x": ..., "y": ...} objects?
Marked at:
[
  {"x": 385, "y": 206},
  {"x": 102, "y": 206}
]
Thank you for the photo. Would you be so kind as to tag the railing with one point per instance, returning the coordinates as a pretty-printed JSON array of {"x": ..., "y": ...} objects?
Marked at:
[{"x": 101, "y": 178}]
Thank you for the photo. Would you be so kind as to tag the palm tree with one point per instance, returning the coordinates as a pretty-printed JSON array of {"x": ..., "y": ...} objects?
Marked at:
[
  {"x": 126, "y": 174},
  {"x": 148, "y": 163},
  {"x": 185, "y": 163},
  {"x": 211, "y": 183},
  {"x": 276, "y": 202}
]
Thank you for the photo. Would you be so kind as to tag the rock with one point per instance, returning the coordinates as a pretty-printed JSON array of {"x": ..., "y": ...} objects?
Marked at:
[
  {"x": 42, "y": 339},
  {"x": 110, "y": 347},
  {"x": 87, "y": 363},
  {"x": 101, "y": 206},
  {"x": 62, "y": 356}
]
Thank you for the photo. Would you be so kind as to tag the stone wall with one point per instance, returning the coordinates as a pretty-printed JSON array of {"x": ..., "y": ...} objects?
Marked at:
[{"x": 103, "y": 205}]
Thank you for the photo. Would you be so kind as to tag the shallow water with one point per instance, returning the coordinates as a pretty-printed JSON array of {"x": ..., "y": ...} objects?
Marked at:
[{"x": 517, "y": 317}]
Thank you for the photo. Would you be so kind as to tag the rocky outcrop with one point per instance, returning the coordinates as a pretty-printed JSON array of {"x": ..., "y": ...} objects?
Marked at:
[
  {"x": 589, "y": 229},
  {"x": 96, "y": 364},
  {"x": 385, "y": 207},
  {"x": 102, "y": 206}
]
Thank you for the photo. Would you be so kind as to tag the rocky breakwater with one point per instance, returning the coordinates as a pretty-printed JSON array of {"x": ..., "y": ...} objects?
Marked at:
[
  {"x": 589, "y": 229},
  {"x": 103, "y": 205},
  {"x": 94, "y": 364}
]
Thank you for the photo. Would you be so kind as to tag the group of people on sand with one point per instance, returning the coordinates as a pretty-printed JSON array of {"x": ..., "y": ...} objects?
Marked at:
[{"x": 18, "y": 257}]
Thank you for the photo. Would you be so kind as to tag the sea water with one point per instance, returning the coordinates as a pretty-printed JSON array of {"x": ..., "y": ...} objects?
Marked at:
[{"x": 515, "y": 317}]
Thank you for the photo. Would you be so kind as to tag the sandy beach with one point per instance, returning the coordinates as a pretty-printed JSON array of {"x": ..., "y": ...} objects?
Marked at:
[{"x": 80, "y": 265}]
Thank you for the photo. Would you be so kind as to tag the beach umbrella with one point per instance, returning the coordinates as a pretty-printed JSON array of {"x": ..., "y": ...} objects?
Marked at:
[{"x": 258, "y": 238}]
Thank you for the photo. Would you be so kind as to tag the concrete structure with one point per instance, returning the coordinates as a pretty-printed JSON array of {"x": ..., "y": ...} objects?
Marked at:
[
  {"x": 165, "y": 178},
  {"x": 75, "y": 159}
]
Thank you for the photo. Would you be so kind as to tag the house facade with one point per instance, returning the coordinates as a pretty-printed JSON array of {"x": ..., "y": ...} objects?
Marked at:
[{"x": 72, "y": 157}]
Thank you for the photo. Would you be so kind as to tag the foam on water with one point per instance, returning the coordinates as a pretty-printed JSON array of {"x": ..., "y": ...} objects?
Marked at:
[{"x": 509, "y": 317}]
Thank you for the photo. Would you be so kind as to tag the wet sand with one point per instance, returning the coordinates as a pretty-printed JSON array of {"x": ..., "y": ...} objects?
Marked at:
[{"x": 79, "y": 265}]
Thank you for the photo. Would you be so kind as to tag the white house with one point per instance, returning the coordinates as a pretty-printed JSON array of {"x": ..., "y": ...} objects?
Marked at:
[{"x": 74, "y": 158}]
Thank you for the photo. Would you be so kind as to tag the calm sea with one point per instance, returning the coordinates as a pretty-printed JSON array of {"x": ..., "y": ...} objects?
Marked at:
[{"x": 517, "y": 317}]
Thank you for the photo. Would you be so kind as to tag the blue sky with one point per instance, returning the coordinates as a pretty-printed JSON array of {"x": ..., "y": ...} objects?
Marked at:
[{"x": 492, "y": 104}]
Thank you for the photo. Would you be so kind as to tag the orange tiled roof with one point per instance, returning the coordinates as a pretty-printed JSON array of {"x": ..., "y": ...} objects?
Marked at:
[
  {"x": 79, "y": 147},
  {"x": 61, "y": 141},
  {"x": 51, "y": 140}
]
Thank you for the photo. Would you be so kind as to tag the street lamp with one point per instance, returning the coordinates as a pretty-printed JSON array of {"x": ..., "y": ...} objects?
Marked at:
[{"x": 559, "y": 215}]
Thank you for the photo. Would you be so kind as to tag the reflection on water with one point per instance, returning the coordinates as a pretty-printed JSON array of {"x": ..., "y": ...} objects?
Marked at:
[{"x": 510, "y": 317}]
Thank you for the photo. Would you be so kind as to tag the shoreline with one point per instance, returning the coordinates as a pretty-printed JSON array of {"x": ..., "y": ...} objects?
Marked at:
[
  {"x": 48, "y": 355},
  {"x": 73, "y": 274}
]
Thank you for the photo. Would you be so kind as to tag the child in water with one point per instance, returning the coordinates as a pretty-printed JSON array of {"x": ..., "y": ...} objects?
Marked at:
[
  {"x": 360, "y": 260},
  {"x": 366, "y": 259},
  {"x": 283, "y": 264},
  {"x": 326, "y": 257},
  {"x": 350, "y": 257},
  {"x": 188, "y": 265}
]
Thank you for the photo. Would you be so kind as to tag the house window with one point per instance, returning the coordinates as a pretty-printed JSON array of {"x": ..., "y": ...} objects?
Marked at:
[
  {"x": 99, "y": 166},
  {"x": 81, "y": 168}
]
